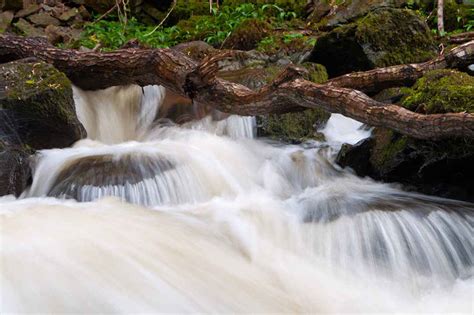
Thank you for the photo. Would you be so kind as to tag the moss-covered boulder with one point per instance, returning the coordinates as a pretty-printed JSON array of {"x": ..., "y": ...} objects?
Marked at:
[
  {"x": 287, "y": 43},
  {"x": 324, "y": 13},
  {"x": 36, "y": 112},
  {"x": 382, "y": 38},
  {"x": 248, "y": 34},
  {"x": 294, "y": 127},
  {"x": 37, "y": 98},
  {"x": 443, "y": 168},
  {"x": 441, "y": 91},
  {"x": 300, "y": 126}
]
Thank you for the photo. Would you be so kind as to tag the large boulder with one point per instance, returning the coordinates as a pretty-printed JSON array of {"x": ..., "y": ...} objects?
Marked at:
[
  {"x": 36, "y": 112},
  {"x": 443, "y": 168},
  {"x": 382, "y": 38},
  {"x": 323, "y": 14},
  {"x": 38, "y": 100}
]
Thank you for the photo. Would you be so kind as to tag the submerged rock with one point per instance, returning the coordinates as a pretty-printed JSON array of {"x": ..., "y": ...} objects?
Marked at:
[
  {"x": 83, "y": 179},
  {"x": 382, "y": 38}
]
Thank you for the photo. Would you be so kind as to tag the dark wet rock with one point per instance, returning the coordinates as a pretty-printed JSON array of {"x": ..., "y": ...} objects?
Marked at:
[
  {"x": 440, "y": 168},
  {"x": 37, "y": 100},
  {"x": 443, "y": 168},
  {"x": 357, "y": 157},
  {"x": 85, "y": 14},
  {"x": 6, "y": 19},
  {"x": 100, "y": 6},
  {"x": 11, "y": 5},
  {"x": 43, "y": 19},
  {"x": 382, "y": 38},
  {"x": 107, "y": 170},
  {"x": 28, "y": 29},
  {"x": 15, "y": 171}
]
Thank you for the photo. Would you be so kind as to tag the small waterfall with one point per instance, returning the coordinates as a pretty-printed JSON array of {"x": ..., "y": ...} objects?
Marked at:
[
  {"x": 340, "y": 129},
  {"x": 150, "y": 216}
]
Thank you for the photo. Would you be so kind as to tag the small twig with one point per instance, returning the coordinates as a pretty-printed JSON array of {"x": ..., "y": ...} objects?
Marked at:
[
  {"x": 164, "y": 19},
  {"x": 105, "y": 14}
]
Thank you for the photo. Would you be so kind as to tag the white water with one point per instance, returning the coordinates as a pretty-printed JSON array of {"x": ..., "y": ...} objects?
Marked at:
[{"x": 231, "y": 224}]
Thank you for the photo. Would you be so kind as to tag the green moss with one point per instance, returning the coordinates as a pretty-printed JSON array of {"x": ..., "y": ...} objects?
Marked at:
[
  {"x": 288, "y": 42},
  {"x": 248, "y": 34},
  {"x": 40, "y": 89},
  {"x": 317, "y": 72},
  {"x": 294, "y": 127},
  {"x": 441, "y": 91},
  {"x": 395, "y": 36},
  {"x": 387, "y": 146}
]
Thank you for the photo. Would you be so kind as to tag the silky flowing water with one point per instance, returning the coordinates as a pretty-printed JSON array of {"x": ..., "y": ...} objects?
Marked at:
[{"x": 148, "y": 216}]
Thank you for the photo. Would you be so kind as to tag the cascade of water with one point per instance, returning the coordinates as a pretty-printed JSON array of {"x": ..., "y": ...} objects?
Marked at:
[
  {"x": 340, "y": 129},
  {"x": 232, "y": 224}
]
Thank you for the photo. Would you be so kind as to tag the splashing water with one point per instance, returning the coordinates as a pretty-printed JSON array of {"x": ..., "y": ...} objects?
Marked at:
[{"x": 203, "y": 218}]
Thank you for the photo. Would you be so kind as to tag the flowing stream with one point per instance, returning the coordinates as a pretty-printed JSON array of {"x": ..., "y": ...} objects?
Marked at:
[{"x": 148, "y": 216}]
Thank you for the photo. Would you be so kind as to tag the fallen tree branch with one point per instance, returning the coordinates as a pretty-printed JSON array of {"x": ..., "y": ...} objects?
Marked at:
[
  {"x": 373, "y": 81},
  {"x": 288, "y": 92},
  {"x": 458, "y": 38}
]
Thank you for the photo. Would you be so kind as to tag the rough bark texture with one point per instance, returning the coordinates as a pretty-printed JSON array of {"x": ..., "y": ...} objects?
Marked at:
[
  {"x": 373, "y": 81},
  {"x": 177, "y": 72}
]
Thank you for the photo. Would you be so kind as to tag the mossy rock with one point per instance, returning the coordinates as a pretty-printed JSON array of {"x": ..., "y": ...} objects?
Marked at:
[
  {"x": 316, "y": 73},
  {"x": 248, "y": 34},
  {"x": 442, "y": 168},
  {"x": 286, "y": 43},
  {"x": 441, "y": 91},
  {"x": 325, "y": 13},
  {"x": 36, "y": 102},
  {"x": 382, "y": 38},
  {"x": 293, "y": 127}
]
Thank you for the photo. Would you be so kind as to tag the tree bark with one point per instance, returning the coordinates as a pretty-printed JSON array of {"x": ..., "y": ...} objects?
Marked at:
[
  {"x": 288, "y": 92},
  {"x": 373, "y": 81}
]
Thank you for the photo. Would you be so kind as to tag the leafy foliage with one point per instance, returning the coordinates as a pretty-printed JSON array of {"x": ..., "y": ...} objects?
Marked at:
[{"x": 214, "y": 28}]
